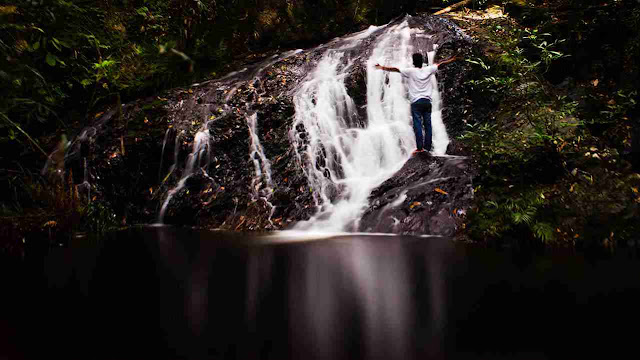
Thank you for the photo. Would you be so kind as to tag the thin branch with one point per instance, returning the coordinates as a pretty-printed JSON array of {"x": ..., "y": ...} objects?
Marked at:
[
  {"x": 35, "y": 143},
  {"x": 452, "y": 7}
]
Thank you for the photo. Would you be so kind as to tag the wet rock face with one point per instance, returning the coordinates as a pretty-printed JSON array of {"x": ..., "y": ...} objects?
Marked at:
[
  {"x": 137, "y": 158},
  {"x": 231, "y": 201},
  {"x": 429, "y": 195}
]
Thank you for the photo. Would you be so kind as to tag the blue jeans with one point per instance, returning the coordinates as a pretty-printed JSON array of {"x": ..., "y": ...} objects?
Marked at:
[{"x": 421, "y": 113}]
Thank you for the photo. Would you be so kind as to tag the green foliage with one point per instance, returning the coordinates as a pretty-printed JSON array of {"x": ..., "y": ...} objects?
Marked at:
[
  {"x": 547, "y": 55},
  {"x": 99, "y": 218},
  {"x": 515, "y": 213},
  {"x": 62, "y": 55},
  {"x": 520, "y": 152},
  {"x": 543, "y": 231},
  {"x": 620, "y": 106},
  {"x": 549, "y": 164}
]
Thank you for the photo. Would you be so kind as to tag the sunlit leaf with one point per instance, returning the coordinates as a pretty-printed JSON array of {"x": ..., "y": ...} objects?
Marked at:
[{"x": 56, "y": 44}]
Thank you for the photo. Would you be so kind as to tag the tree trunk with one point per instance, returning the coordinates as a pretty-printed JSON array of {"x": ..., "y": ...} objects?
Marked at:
[{"x": 452, "y": 7}]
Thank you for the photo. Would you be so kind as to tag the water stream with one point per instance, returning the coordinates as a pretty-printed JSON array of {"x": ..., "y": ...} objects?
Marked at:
[
  {"x": 199, "y": 158},
  {"x": 261, "y": 184}
]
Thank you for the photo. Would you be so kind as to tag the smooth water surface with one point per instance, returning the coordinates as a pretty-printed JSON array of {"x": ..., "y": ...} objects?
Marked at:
[{"x": 167, "y": 293}]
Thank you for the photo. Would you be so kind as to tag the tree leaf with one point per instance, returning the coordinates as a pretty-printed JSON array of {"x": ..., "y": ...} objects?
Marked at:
[
  {"x": 50, "y": 59},
  {"x": 55, "y": 43}
]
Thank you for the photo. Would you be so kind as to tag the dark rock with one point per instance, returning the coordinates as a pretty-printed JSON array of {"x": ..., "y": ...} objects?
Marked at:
[{"x": 429, "y": 195}]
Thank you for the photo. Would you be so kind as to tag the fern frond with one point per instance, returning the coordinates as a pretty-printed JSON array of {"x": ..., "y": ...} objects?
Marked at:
[{"x": 543, "y": 231}]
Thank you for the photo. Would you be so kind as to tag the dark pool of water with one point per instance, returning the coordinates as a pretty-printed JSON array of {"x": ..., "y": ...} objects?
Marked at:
[{"x": 177, "y": 293}]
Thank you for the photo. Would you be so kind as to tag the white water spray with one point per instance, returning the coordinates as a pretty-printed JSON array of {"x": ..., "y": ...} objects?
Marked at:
[{"x": 344, "y": 162}]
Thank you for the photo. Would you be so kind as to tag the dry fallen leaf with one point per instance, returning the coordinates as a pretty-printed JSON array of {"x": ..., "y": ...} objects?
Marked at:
[
  {"x": 414, "y": 204},
  {"x": 562, "y": 146},
  {"x": 438, "y": 190}
]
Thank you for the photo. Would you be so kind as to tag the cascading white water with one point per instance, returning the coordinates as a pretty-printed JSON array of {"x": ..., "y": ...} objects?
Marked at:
[
  {"x": 440, "y": 139},
  {"x": 199, "y": 155},
  {"x": 199, "y": 158},
  {"x": 261, "y": 184},
  {"x": 343, "y": 162}
]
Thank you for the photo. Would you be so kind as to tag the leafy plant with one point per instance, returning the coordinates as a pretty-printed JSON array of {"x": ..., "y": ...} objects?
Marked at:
[
  {"x": 495, "y": 218},
  {"x": 617, "y": 108}
]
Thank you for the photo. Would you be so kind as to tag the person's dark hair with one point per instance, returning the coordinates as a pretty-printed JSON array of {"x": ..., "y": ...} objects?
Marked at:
[{"x": 417, "y": 60}]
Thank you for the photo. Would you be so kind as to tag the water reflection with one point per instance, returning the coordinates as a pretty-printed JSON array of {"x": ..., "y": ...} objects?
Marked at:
[
  {"x": 354, "y": 296},
  {"x": 171, "y": 293}
]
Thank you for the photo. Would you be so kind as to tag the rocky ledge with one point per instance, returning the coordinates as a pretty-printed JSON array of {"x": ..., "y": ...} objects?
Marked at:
[{"x": 429, "y": 195}]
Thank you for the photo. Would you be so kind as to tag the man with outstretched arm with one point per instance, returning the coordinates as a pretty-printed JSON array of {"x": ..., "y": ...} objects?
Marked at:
[{"x": 420, "y": 84}]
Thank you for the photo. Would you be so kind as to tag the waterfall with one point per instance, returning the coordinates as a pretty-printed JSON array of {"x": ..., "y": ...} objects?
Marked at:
[
  {"x": 440, "y": 139},
  {"x": 261, "y": 184},
  {"x": 200, "y": 155},
  {"x": 199, "y": 158},
  {"x": 342, "y": 160}
]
